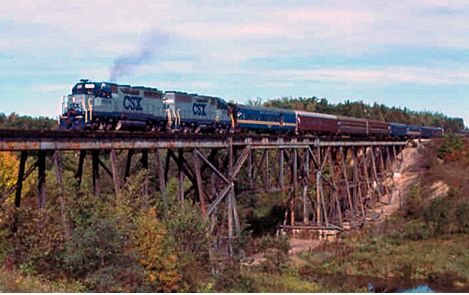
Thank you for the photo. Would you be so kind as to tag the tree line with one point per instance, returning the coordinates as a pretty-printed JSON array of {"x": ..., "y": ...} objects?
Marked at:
[{"x": 360, "y": 109}]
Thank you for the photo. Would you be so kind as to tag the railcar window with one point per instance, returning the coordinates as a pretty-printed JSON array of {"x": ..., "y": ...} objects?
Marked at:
[
  {"x": 105, "y": 91},
  {"x": 79, "y": 89}
]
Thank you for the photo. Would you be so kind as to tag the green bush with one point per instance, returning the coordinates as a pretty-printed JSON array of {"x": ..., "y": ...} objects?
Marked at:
[
  {"x": 439, "y": 216},
  {"x": 413, "y": 205},
  {"x": 462, "y": 217},
  {"x": 100, "y": 254},
  {"x": 451, "y": 144},
  {"x": 92, "y": 246},
  {"x": 35, "y": 240},
  {"x": 416, "y": 230}
]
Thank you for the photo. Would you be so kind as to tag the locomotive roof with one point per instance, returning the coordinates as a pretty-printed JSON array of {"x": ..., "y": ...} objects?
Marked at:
[
  {"x": 352, "y": 118},
  {"x": 377, "y": 121},
  {"x": 264, "y": 108},
  {"x": 318, "y": 115},
  {"x": 431, "y": 127},
  {"x": 398, "y": 124},
  {"x": 120, "y": 85},
  {"x": 194, "y": 94}
]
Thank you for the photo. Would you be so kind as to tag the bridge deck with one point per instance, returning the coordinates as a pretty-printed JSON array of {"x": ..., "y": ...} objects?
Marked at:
[{"x": 31, "y": 140}]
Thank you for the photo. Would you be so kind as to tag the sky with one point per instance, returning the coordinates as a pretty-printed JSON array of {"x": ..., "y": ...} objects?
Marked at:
[{"x": 412, "y": 54}]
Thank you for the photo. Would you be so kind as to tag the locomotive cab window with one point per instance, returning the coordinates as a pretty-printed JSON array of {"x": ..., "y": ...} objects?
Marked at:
[
  {"x": 84, "y": 89},
  {"x": 105, "y": 91}
]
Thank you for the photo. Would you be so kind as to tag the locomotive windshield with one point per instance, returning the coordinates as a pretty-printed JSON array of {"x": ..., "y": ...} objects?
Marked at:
[
  {"x": 84, "y": 88},
  {"x": 97, "y": 89}
]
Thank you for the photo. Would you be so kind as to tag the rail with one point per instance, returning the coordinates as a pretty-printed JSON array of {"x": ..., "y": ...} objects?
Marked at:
[{"x": 44, "y": 140}]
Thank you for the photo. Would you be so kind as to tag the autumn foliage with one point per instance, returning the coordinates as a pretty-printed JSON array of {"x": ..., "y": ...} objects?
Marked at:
[{"x": 8, "y": 170}]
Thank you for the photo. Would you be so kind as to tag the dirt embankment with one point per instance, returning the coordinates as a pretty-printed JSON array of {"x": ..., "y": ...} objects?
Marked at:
[
  {"x": 412, "y": 169},
  {"x": 408, "y": 172}
]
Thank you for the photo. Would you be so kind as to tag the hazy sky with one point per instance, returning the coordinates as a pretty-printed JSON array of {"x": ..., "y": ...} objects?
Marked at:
[{"x": 393, "y": 52}]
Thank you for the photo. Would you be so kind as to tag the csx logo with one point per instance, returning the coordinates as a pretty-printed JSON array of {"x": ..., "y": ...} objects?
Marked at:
[
  {"x": 132, "y": 103},
  {"x": 199, "y": 109}
]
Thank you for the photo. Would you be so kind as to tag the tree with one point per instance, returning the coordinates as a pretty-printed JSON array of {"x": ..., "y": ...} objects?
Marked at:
[{"x": 8, "y": 171}]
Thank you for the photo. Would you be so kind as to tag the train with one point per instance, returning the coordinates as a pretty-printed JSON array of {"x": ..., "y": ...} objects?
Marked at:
[{"x": 111, "y": 106}]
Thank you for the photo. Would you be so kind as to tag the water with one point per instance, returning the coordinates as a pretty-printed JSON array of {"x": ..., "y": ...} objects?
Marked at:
[{"x": 420, "y": 289}]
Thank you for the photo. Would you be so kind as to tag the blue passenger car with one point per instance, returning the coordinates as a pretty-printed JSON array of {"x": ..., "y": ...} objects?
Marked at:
[
  {"x": 414, "y": 131},
  {"x": 264, "y": 119},
  {"x": 398, "y": 130},
  {"x": 430, "y": 132}
]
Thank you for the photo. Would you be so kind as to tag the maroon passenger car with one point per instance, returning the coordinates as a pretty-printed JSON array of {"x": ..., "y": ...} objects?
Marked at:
[
  {"x": 352, "y": 126},
  {"x": 378, "y": 128},
  {"x": 316, "y": 123}
]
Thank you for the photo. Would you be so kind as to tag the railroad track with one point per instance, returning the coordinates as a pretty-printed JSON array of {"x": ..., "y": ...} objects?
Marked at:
[
  {"x": 47, "y": 140},
  {"x": 122, "y": 135}
]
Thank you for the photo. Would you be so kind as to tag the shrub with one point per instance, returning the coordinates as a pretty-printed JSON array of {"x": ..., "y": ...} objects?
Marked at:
[
  {"x": 275, "y": 253},
  {"x": 413, "y": 205},
  {"x": 92, "y": 246},
  {"x": 416, "y": 230},
  {"x": 230, "y": 278},
  {"x": 191, "y": 242},
  {"x": 439, "y": 214},
  {"x": 35, "y": 240},
  {"x": 156, "y": 253},
  {"x": 451, "y": 147},
  {"x": 462, "y": 217}
]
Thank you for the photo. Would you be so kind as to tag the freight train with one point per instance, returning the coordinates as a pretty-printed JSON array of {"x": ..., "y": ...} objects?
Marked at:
[{"x": 111, "y": 106}]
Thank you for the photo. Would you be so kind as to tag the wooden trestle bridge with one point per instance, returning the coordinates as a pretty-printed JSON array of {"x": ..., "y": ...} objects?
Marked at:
[{"x": 327, "y": 184}]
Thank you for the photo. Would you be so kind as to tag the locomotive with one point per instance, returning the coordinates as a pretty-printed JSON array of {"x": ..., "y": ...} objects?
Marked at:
[{"x": 112, "y": 106}]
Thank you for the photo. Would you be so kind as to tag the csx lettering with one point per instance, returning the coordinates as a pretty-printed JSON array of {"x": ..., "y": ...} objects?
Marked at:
[
  {"x": 132, "y": 103},
  {"x": 199, "y": 109}
]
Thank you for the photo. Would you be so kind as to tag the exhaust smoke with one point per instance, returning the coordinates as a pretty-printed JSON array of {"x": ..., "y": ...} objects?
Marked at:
[{"x": 148, "y": 48}]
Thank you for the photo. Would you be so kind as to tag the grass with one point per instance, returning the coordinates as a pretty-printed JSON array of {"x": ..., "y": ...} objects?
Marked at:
[
  {"x": 287, "y": 282},
  {"x": 12, "y": 281},
  {"x": 441, "y": 262}
]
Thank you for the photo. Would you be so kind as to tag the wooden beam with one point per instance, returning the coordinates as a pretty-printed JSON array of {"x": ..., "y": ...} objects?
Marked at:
[
  {"x": 305, "y": 189},
  {"x": 335, "y": 191},
  {"x": 144, "y": 162},
  {"x": 115, "y": 172},
  {"x": 356, "y": 180},
  {"x": 41, "y": 179},
  {"x": 128, "y": 164},
  {"x": 61, "y": 197},
  {"x": 81, "y": 162},
  {"x": 280, "y": 170},
  {"x": 95, "y": 172},
  {"x": 295, "y": 184},
  {"x": 318, "y": 186},
  {"x": 19, "y": 188},
  {"x": 198, "y": 178},
  {"x": 239, "y": 163},
  {"x": 180, "y": 166},
  {"x": 375, "y": 173},
  {"x": 250, "y": 167},
  {"x": 104, "y": 167},
  {"x": 161, "y": 179},
  {"x": 347, "y": 185},
  {"x": 214, "y": 169}
]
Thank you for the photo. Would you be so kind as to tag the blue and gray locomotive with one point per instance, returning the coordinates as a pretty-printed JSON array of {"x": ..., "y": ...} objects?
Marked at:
[{"x": 111, "y": 106}]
